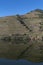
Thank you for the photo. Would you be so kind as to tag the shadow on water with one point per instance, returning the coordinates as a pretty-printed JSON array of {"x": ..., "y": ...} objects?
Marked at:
[{"x": 24, "y": 51}]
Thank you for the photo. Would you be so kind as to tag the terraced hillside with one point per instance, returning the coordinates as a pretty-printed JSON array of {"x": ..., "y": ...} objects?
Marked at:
[{"x": 21, "y": 36}]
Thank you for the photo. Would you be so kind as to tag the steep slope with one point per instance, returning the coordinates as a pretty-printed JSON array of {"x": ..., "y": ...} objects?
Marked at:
[
  {"x": 30, "y": 23},
  {"x": 10, "y": 25},
  {"x": 33, "y": 20},
  {"x": 22, "y": 36}
]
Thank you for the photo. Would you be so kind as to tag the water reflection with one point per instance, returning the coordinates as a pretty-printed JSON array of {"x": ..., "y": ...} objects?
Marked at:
[{"x": 17, "y": 62}]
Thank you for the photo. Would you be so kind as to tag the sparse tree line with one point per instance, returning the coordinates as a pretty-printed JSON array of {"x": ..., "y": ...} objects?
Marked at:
[
  {"x": 16, "y": 38},
  {"x": 20, "y": 19},
  {"x": 41, "y": 26},
  {"x": 30, "y": 27},
  {"x": 21, "y": 38}
]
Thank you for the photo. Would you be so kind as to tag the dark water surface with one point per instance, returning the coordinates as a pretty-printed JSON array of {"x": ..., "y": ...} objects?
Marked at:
[
  {"x": 15, "y": 62},
  {"x": 18, "y": 62}
]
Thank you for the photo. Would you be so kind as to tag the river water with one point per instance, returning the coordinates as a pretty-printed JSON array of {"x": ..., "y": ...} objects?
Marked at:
[{"x": 18, "y": 62}]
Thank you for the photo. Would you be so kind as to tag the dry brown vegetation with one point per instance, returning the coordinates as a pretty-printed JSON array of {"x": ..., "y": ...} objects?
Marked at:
[{"x": 21, "y": 36}]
